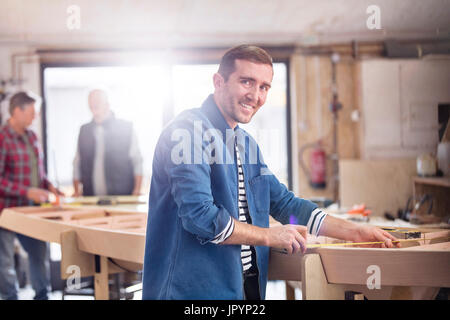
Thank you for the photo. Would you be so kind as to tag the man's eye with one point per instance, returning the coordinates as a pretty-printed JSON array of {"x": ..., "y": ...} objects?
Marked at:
[{"x": 246, "y": 82}]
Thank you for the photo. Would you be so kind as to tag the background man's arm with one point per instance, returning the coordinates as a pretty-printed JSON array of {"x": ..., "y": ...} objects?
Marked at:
[
  {"x": 14, "y": 189},
  {"x": 137, "y": 185},
  {"x": 76, "y": 175},
  {"x": 136, "y": 159}
]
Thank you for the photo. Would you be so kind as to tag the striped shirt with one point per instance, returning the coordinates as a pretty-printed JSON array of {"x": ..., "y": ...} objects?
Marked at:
[
  {"x": 16, "y": 172},
  {"x": 244, "y": 216},
  {"x": 313, "y": 226},
  {"x": 315, "y": 221},
  {"x": 246, "y": 250}
]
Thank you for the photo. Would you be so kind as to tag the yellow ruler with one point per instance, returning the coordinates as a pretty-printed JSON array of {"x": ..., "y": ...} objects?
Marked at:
[
  {"x": 318, "y": 245},
  {"x": 324, "y": 245}
]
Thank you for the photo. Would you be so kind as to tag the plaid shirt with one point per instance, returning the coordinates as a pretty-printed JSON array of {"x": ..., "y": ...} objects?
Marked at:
[{"x": 15, "y": 172}]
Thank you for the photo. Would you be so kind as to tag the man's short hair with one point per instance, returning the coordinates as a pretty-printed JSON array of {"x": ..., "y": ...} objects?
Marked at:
[
  {"x": 242, "y": 52},
  {"x": 21, "y": 100}
]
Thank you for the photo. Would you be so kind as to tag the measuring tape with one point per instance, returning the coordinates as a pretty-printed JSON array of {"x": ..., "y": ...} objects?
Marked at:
[
  {"x": 318, "y": 245},
  {"x": 324, "y": 245},
  {"x": 402, "y": 230}
]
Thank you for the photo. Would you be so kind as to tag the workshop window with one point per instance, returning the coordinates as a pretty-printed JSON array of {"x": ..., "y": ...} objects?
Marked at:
[
  {"x": 137, "y": 94},
  {"x": 148, "y": 96}
]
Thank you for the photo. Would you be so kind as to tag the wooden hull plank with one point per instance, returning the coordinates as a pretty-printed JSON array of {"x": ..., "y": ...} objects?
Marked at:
[{"x": 398, "y": 267}]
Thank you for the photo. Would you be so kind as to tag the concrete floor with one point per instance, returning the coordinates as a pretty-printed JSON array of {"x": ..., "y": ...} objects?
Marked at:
[{"x": 275, "y": 291}]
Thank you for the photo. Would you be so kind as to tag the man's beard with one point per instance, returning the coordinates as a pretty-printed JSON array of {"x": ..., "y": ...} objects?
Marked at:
[{"x": 236, "y": 114}]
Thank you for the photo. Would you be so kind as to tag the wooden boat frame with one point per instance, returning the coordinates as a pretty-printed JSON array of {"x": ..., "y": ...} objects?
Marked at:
[{"x": 101, "y": 241}]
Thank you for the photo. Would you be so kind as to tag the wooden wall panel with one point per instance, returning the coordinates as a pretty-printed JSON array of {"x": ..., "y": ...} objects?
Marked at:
[
  {"x": 383, "y": 185},
  {"x": 314, "y": 118}
]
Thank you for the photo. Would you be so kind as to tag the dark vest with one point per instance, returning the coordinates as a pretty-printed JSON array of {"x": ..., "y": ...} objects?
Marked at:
[{"x": 119, "y": 174}]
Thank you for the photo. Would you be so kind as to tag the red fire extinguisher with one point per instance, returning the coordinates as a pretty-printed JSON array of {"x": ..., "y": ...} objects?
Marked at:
[{"x": 317, "y": 165}]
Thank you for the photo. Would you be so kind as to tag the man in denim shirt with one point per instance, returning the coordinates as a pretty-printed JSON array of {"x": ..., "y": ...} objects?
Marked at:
[{"x": 211, "y": 196}]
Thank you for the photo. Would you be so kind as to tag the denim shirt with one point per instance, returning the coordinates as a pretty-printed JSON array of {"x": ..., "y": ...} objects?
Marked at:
[{"x": 193, "y": 194}]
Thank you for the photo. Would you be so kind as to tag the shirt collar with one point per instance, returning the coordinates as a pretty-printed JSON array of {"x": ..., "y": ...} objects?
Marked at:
[
  {"x": 212, "y": 112},
  {"x": 106, "y": 122},
  {"x": 15, "y": 134}
]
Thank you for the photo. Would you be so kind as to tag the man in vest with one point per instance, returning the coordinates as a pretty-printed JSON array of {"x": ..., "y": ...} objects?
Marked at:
[
  {"x": 108, "y": 160},
  {"x": 208, "y": 233},
  {"x": 23, "y": 182}
]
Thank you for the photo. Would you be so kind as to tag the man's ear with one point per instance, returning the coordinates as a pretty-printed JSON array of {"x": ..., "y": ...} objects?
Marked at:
[
  {"x": 218, "y": 81},
  {"x": 15, "y": 111}
]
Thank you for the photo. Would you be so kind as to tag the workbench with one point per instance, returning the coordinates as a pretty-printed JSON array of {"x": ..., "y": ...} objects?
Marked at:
[
  {"x": 416, "y": 271},
  {"x": 101, "y": 241},
  {"x": 319, "y": 285},
  {"x": 97, "y": 240}
]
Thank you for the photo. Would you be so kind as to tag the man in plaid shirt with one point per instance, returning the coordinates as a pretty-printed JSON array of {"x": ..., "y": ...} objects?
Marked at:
[{"x": 22, "y": 183}]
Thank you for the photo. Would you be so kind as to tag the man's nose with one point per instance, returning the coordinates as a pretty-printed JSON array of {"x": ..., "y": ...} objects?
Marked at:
[{"x": 253, "y": 94}]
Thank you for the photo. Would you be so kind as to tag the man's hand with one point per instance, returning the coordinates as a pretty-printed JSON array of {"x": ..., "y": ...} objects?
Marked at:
[
  {"x": 350, "y": 231},
  {"x": 37, "y": 195},
  {"x": 291, "y": 238},
  {"x": 374, "y": 234},
  {"x": 137, "y": 186},
  {"x": 76, "y": 194},
  {"x": 55, "y": 191},
  {"x": 76, "y": 188}
]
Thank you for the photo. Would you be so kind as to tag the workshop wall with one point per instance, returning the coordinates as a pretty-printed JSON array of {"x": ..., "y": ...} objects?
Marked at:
[
  {"x": 389, "y": 114},
  {"x": 313, "y": 85}
]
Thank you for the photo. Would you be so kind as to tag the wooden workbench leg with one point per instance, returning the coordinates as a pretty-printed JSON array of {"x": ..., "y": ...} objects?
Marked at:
[
  {"x": 290, "y": 291},
  {"x": 414, "y": 293},
  {"x": 101, "y": 285},
  {"x": 315, "y": 285},
  {"x": 314, "y": 282}
]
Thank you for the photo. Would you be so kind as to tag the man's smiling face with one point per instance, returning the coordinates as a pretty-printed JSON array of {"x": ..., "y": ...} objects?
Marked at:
[{"x": 245, "y": 91}]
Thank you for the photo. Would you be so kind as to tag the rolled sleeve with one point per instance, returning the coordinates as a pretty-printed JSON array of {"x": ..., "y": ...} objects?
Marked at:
[
  {"x": 315, "y": 221},
  {"x": 226, "y": 233},
  {"x": 191, "y": 190},
  {"x": 190, "y": 187}
]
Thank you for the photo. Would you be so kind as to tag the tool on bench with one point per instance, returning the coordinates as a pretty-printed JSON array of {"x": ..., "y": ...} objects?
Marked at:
[
  {"x": 410, "y": 212},
  {"x": 359, "y": 213},
  {"x": 360, "y": 209}
]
